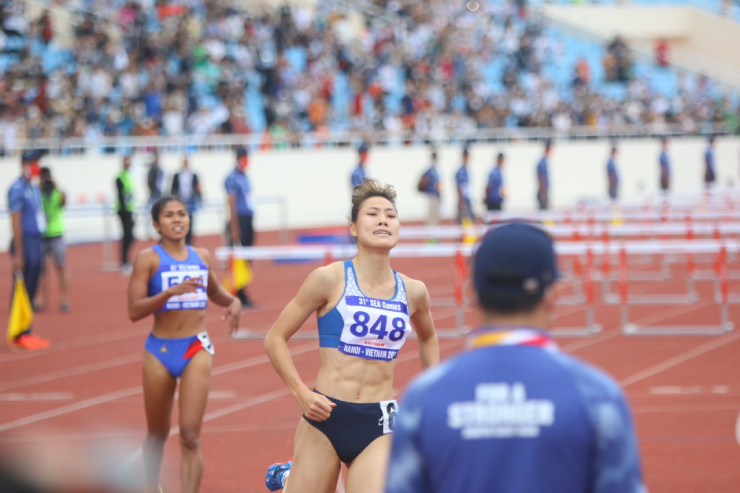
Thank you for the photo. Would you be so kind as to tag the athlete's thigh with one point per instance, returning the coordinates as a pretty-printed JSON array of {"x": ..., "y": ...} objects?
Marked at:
[
  {"x": 159, "y": 393},
  {"x": 315, "y": 463},
  {"x": 367, "y": 472},
  {"x": 194, "y": 384}
]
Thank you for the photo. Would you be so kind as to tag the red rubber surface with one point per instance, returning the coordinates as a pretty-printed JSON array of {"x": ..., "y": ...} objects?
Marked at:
[{"x": 684, "y": 391}]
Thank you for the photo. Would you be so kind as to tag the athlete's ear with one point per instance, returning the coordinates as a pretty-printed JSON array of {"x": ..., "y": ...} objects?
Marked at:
[{"x": 353, "y": 231}]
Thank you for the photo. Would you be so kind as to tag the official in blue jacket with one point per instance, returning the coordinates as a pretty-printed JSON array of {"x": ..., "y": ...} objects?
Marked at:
[{"x": 512, "y": 413}]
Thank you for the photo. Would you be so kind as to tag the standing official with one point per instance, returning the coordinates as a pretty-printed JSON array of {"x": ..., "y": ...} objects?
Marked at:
[
  {"x": 512, "y": 413},
  {"x": 543, "y": 179},
  {"x": 710, "y": 176},
  {"x": 612, "y": 175},
  {"x": 186, "y": 187},
  {"x": 53, "y": 201},
  {"x": 665, "y": 166},
  {"x": 495, "y": 186},
  {"x": 155, "y": 184},
  {"x": 26, "y": 247},
  {"x": 241, "y": 210},
  {"x": 462, "y": 181},
  {"x": 125, "y": 210},
  {"x": 430, "y": 185},
  {"x": 360, "y": 173}
]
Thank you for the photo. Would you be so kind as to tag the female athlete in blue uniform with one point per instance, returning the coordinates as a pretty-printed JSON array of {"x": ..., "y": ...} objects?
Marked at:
[
  {"x": 173, "y": 282},
  {"x": 365, "y": 313}
]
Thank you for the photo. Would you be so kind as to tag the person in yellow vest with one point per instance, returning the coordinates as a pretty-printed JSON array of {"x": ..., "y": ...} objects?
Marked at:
[
  {"x": 125, "y": 210},
  {"x": 53, "y": 201}
]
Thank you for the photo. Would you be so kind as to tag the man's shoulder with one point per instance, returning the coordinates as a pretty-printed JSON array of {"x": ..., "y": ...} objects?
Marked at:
[
  {"x": 16, "y": 186},
  {"x": 591, "y": 382}
]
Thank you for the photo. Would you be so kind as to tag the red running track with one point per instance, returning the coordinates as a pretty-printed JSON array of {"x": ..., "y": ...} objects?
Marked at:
[{"x": 86, "y": 390}]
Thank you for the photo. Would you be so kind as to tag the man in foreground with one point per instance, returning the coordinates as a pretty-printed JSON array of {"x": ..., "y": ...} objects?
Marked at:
[{"x": 512, "y": 413}]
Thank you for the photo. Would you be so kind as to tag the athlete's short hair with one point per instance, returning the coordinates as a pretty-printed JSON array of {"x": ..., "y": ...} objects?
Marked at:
[
  {"x": 370, "y": 187},
  {"x": 159, "y": 205}
]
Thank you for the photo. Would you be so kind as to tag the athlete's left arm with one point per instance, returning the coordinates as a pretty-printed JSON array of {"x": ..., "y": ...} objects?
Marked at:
[
  {"x": 219, "y": 295},
  {"x": 422, "y": 322}
]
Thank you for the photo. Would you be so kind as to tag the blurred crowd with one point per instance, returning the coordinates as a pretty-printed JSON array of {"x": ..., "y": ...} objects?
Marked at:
[{"x": 430, "y": 69}]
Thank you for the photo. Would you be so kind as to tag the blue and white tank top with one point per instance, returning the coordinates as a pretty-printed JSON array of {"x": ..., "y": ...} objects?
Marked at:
[
  {"x": 366, "y": 327},
  {"x": 172, "y": 271}
]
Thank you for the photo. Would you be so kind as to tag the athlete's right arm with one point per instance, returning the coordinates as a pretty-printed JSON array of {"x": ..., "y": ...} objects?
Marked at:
[
  {"x": 312, "y": 296},
  {"x": 139, "y": 304}
]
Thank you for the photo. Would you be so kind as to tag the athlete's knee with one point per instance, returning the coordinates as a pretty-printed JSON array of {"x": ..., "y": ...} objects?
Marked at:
[{"x": 189, "y": 438}]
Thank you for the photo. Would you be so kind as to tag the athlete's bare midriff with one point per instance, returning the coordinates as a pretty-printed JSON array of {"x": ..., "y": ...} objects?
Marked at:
[
  {"x": 179, "y": 323},
  {"x": 353, "y": 379}
]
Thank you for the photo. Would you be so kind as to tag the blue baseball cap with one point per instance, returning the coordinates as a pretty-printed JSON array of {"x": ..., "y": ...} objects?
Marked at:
[{"x": 515, "y": 258}]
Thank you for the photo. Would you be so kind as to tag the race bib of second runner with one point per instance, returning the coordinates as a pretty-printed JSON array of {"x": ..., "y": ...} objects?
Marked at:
[{"x": 188, "y": 301}]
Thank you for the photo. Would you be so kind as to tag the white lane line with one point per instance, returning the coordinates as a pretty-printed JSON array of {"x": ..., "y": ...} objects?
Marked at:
[
  {"x": 676, "y": 390},
  {"x": 695, "y": 389},
  {"x": 92, "y": 367},
  {"x": 102, "y": 399},
  {"x": 260, "y": 399},
  {"x": 680, "y": 358},
  {"x": 36, "y": 396},
  {"x": 71, "y": 372},
  {"x": 78, "y": 343},
  {"x": 686, "y": 408}
]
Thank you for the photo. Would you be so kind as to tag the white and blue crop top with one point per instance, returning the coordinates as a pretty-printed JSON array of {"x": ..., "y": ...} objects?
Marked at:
[
  {"x": 366, "y": 327},
  {"x": 172, "y": 271}
]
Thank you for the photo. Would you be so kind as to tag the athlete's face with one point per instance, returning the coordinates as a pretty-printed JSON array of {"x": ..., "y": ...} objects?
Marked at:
[
  {"x": 174, "y": 221},
  {"x": 377, "y": 224}
]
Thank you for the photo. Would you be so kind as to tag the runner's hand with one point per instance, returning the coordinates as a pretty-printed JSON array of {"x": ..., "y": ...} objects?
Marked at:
[
  {"x": 187, "y": 286},
  {"x": 315, "y": 406},
  {"x": 232, "y": 315}
]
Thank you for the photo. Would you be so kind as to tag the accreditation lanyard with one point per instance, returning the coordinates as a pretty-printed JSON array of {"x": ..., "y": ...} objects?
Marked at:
[{"x": 498, "y": 336}]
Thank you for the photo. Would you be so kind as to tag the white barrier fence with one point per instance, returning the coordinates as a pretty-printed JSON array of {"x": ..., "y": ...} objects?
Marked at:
[{"x": 99, "y": 223}]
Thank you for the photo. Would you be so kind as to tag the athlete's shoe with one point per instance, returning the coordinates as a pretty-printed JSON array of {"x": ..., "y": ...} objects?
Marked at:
[
  {"x": 40, "y": 342},
  {"x": 276, "y": 474},
  {"x": 29, "y": 342}
]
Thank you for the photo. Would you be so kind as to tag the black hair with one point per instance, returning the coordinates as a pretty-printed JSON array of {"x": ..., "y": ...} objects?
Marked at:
[
  {"x": 45, "y": 171},
  {"x": 159, "y": 205}
]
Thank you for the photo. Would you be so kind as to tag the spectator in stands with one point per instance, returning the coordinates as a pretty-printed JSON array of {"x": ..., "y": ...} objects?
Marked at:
[
  {"x": 612, "y": 175},
  {"x": 661, "y": 53},
  {"x": 511, "y": 412},
  {"x": 240, "y": 228},
  {"x": 360, "y": 173},
  {"x": 710, "y": 175},
  {"x": 45, "y": 29},
  {"x": 582, "y": 73},
  {"x": 178, "y": 70},
  {"x": 543, "y": 179},
  {"x": 462, "y": 182},
  {"x": 495, "y": 192},
  {"x": 186, "y": 186},
  {"x": 622, "y": 59},
  {"x": 665, "y": 166},
  {"x": 26, "y": 247},
  {"x": 430, "y": 185},
  {"x": 125, "y": 207},
  {"x": 53, "y": 201}
]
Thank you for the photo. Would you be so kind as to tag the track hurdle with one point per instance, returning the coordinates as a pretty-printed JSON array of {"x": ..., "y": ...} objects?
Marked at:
[
  {"x": 460, "y": 253},
  {"x": 632, "y": 329},
  {"x": 591, "y": 327}
]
